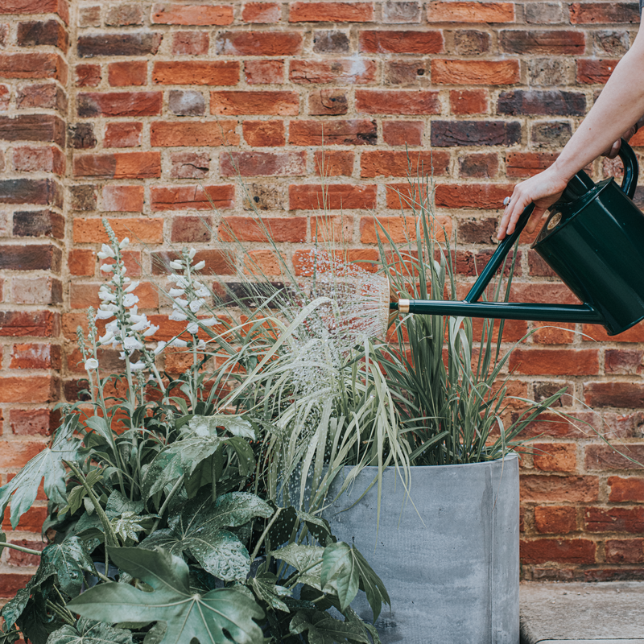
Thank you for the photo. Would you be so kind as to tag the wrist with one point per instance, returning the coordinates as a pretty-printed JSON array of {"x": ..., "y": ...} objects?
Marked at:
[{"x": 563, "y": 171}]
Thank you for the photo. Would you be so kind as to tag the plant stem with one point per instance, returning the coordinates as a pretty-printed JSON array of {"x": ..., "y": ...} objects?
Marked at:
[
  {"x": 29, "y": 551},
  {"x": 167, "y": 502},
  {"x": 264, "y": 534}
]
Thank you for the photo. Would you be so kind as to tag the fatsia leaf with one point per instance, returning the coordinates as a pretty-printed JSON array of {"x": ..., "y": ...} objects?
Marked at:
[
  {"x": 264, "y": 587},
  {"x": 164, "y": 469},
  {"x": 69, "y": 559},
  {"x": 207, "y": 425},
  {"x": 346, "y": 570},
  {"x": 47, "y": 465},
  {"x": 300, "y": 557},
  {"x": 90, "y": 632},
  {"x": 117, "y": 504},
  {"x": 324, "y": 629},
  {"x": 222, "y": 616}
]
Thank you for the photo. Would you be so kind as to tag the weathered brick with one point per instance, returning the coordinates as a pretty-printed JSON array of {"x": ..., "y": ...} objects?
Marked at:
[
  {"x": 614, "y": 394},
  {"x": 47, "y": 95},
  {"x": 625, "y": 551},
  {"x": 331, "y": 41},
  {"x": 555, "y": 457},
  {"x": 551, "y": 133},
  {"x": 33, "y": 127},
  {"x": 626, "y": 489},
  {"x": 40, "y": 290},
  {"x": 468, "y": 101},
  {"x": 254, "y": 103},
  {"x": 80, "y": 136},
  {"x": 119, "y": 104},
  {"x": 263, "y": 164},
  {"x": 261, "y": 196},
  {"x": 593, "y": 72},
  {"x": 196, "y": 72},
  {"x": 475, "y": 72},
  {"x": 401, "y": 42},
  {"x": 485, "y": 12},
  {"x": 191, "y": 229},
  {"x": 126, "y": 44},
  {"x": 38, "y": 223},
  {"x": 592, "y": 13},
  {"x": 82, "y": 197},
  {"x": 400, "y": 12},
  {"x": 192, "y": 197},
  {"x": 478, "y": 165},
  {"x": 30, "y": 257},
  {"x": 610, "y": 43},
  {"x": 259, "y": 43},
  {"x": 36, "y": 6},
  {"x": 527, "y": 164},
  {"x": 397, "y": 102},
  {"x": 51, "y": 32},
  {"x": 472, "y": 196},
  {"x": 543, "y": 13},
  {"x": 189, "y": 165},
  {"x": 186, "y": 103},
  {"x": 33, "y": 65},
  {"x": 265, "y": 133},
  {"x": 552, "y": 42},
  {"x": 554, "y": 489},
  {"x": 89, "y": 17},
  {"x": 193, "y": 133},
  {"x": 264, "y": 72},
  {"x": 328, "y": 102},
  {"x": 623, "y": 362},
  {"x": 87, "y": 75},
  {"x": 26, "y": 389},
  {"x": 470, "y": 42},
  {"x": 123, "y": 198},
  {"x": 324, "y": 72},
  {"x": 125, "y": 74},
  {"x": 218, "y": 262},
  {"x": 41, "y": 192},
  {"x": 604, "y": 457},
  {"x": 123, "y": 135},
  {"x": 404, "y": 163},
  {"x": 353, "y": 132},
  {"x": 39, "y": 324},
  {"x": 555, "y": 519},
  {"x": 331, "y": 12},
  {"x": 578, "y": 551},
  {"x": 463, "y": 133},
  {"x": 32, "y": 422},
  {"x": 42, "y": 159},
  {"x": 278, "y": 229},
  {"x": 35, "y": 356},
  {"x": 124, "y": 15},
  {"x": 118, "y": 165},
  {"x": 614, "y": 520},
  {"x": 190, "y": 43},
  {"x": 334, "y": 196},
  {"x": 192, "y": 14},
  {"x": 477, "y": 231},
  {"x": 333, "y": 163},
  {"x": 402, "y": 132},
  {"x": 546, "y": 72},
  {"x": 261, "y": 12},
  {"x": 147, "y": 230},
  {"x": 406, "y": 71},
  {"x": 542, "y": 103}
]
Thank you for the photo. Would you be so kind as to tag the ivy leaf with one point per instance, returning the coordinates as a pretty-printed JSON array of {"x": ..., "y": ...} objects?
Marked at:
[
  {"x": 69, "y": 559},
  {"x": 23, "y": 488},
  {"x": 222, "y": 616},
  {"x": 198, "y": 530},
  {"x": 90, "y": 632},
  {"x": 324, "y": 629},
  {"x": 346, "y": 570}
]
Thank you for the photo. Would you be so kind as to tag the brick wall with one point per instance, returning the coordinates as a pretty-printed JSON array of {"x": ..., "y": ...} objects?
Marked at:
[{"x": 163, "y": 97}]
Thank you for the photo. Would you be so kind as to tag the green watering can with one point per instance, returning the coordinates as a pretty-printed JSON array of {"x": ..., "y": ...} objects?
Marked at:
[{"x": 593, "y": 240}]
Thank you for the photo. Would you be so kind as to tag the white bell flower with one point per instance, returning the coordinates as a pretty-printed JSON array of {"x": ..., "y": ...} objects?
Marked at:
[
  {"x": 106, "y": 251},
  {"x": 150, "y": 331},
  {"x": 200, "y": 265},
  {"x": 195, "y": 305},
  {"x": 176, "y": 264},
  {"x": 125, "y": 243},
  {"x": 180, "y": 303},
  {"x": 193, "y": 328},
  {"x": 202, "y": 291},
  {"x": 160, "y": 347},
  {"x": 177, "y": 292},
  {"x": 107, "y": 338},
  {"x": 131, "y": 287},
  {"x": 130, "y": 344},
  {"x": 208, "y": 322},
  {"x": 140, "y": 326},
  {"x": 201, "y": 345},
  {"x": 137, "y": 366},
  {"x": 91, "y": 363},
  {"x": 107, "y": 267},
  {"x": 130, "y": 300},
  {"x": 177, "y": 316},
  {"x": 102, "y": 314},
  {"x": 176, "y": 342},
  {"x": 191, "y": 253}
]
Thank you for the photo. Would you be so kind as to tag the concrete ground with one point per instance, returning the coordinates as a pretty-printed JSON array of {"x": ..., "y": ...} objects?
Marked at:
[{"x": 578, "y": 613}]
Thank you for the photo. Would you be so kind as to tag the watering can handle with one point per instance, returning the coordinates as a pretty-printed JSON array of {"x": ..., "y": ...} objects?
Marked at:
[{"x": 631, "y": 169}]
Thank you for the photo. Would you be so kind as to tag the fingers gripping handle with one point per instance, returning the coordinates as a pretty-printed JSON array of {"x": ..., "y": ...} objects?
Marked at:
[
  {"x": 499, "y": 255},
  {"x": 631, "y": 169}
]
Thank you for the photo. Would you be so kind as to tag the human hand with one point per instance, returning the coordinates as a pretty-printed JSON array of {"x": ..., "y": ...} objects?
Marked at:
[{"x": 543, "y": 190}]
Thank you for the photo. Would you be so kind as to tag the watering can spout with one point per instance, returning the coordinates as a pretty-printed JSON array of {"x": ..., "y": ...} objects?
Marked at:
[{"x": 593, "y": 240}]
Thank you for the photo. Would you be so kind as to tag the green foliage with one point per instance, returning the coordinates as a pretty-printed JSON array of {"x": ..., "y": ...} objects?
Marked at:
[{"x": 90, "y": 632}]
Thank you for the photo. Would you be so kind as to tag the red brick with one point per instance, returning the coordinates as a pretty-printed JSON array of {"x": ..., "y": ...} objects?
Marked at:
[
  {"x": 190, "y": 43},
  {"x": 480, "y": 165},
  {"x": 468, "y": 101},
  {"x": 29, "y": 389},
  {"x": 132, "y": 261},
  {"x": 400, "y": 229},
  {"x": 331, "y": 12},
  {"x": 31, "y": 521},
  {"x": 40, "y": 324},
  {"x": 196, "y": 72},
  {"x": 146, "y": 230},
  {"x": 261, "y": 12},
  {"x": 124, "y": 74},
  {"x": 123, "y": 135},
  {"x": 81, "y": 262},
  {"x": 403, "y": 164},
  {"x": 557, "y": 362},
  {"x": 279, "y": 229},
  {"x": 119, "y": 165},
  {"x": 13, "y": 582},
  {"x": 397, "y": 102},
  {"x": 527, "y": 164},
  {"x": 119, "y": 104},
  {"x": 555, "y": 520},
  {"x": 332, "y": 229},
  {"x": 263, "y": 164},
  {"x": 193, "y": 133},
  {"x": 614, "y": 520},
  {"x": 402, "y": 132},
  {"x": 401, "y": 42},
  {"x": 125, "y": 15},
  {"x": 17, "y": 558},
  {"x": 264, "y": 72},
  {"x": 593, "y": 333},
  {"x": 259, "y": 43},
  {"x": 553, "y": 333},
  {"x": 123, "y": 44},
  {"x": 624, "y": 490},
  {"x": 594, "y": 72},
  {"x": 333, "y": 163},
  {"x": 334, "y": 196},
  {"x": 35, "y": 65},
  {"x": 218, "y": 262},
  {"x": 261, "y": 262},
  {"x": 304, "y": 261},
  {"x": 472, "y": 196},
  {"x": 36, "y": 6},
  {"x": 35, "y": 356},
  {"x": 477, "y": 12},
  {"x": 340, "y": 70},
  {"x": 614, "y": 394},
  {"x": 191, "y": 14},
  {"x": 328, "y": 102},
  {"x": 87, "y": 75},
  {"x": 578, "y": 551},
  {"x": 123, "y": 198},
  {"x": 354, "y": 132},
  {"x": 32, "y": 422},
  {"x": 254, "y": 103},
  {"x": 191, "y": 229},
  {"x": 542, "y": 41},
  {"x": 43, "y": 159},
  {"x": 191, "y": 197},
  {"x": 264, "y": 133},
  {"x": 605, "y": 457},
  {"x": 31, "y": 257},
  {"x": 623, "y": 362},
  {"x": 82, "y": 296},
  {"x": 555, "y": 457},
  {"x": 594, "y": 13},
  {"x": 404, "y": 196},
  {"x": 475, "y": 72},
  {"x": 553, "y": 489},
  {"x": 624, "y": 551},
  {"x": 189, "y": 165}
]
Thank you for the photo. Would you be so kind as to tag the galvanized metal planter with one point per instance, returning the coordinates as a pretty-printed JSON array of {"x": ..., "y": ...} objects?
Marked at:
[{"x": 451, "y": 563}]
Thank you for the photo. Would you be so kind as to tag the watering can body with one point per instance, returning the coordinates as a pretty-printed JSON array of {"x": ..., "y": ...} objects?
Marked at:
[{"x": 593, "y": 239}]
